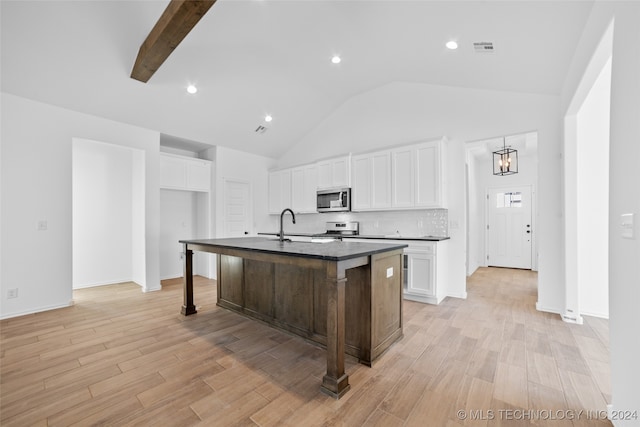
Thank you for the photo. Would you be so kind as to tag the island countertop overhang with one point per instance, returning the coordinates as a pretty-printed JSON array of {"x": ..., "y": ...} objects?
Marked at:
[{"x": 331, "y": 251}]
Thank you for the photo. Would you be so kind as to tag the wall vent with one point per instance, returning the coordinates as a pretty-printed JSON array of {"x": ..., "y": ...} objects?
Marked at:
[
  {"x": 261, "y": 129},
  {"x": 483, "y": 47}
]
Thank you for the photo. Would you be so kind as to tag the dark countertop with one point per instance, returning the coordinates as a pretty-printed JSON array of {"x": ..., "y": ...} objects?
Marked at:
[
  {"x": 365, "y": 236},
  {"x": 332, "y": 251}
]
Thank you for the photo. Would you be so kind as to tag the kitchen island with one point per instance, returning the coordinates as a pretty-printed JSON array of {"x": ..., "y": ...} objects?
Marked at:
[{"x": 346, "y": 296}]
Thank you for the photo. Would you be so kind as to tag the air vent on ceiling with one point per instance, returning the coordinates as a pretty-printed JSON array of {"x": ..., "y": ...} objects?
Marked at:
[
  {"x": 261, "y": 129},
  {"x": 483, "y": 47}
]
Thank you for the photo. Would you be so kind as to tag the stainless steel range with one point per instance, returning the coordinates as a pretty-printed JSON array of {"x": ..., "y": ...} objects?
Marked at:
[{"x": 335, "y": 231}]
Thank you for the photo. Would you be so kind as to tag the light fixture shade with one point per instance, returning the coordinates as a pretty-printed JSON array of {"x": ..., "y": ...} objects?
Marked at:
[{"x": 505, "y": 161}]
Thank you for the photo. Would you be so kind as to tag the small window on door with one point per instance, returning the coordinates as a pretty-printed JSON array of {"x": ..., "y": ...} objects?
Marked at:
[{"x": 509, "y": 200}]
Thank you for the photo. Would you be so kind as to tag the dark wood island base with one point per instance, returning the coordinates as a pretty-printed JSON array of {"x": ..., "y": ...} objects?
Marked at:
[{"x": 345, "y": 296}]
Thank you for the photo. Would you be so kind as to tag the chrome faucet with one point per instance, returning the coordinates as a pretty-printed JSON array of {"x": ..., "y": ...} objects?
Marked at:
[{"x": 293, "y": 218}]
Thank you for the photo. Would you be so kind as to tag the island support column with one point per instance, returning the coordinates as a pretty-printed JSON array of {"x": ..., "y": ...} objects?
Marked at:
[
  {"x": 335, "y": 383},
  {"x": 188, "y": 307}
]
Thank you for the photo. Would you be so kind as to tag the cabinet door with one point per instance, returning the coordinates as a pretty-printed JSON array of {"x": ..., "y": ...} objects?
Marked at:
[
  {"x": 361, "y": 180},
  {"x": 303, "y": 189},
  {"x": 310, "y": 188},
  {"x": 334, "y": 172},
  {"x": 421, "y": 273},
  {"x": 297, "y": 189},
  {"x": 428, "y": 178},
  {"x": 285, "y": 189},
  {"x": 381, "y": 180},
  {"x": 275, "y": 190},
  {"x": 324, "y": 174},
  {"x": 279, "y": 191},
  {"x": 340, "y": 171},
  {"x": 198, "y": 175},
  {"x": 402, "y": 178},
  {"x": 173, "y": 172}
]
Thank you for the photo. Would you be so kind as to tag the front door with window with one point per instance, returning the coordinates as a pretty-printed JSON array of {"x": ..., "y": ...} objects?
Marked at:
[{"x": 509, "y": 228}]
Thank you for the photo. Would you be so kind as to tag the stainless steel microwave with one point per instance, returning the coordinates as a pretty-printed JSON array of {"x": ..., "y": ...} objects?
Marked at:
[{"x": 334, "y": 200}]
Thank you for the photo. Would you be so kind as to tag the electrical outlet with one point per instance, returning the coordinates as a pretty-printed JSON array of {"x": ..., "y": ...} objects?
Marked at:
[
  {"x": 389, "y": 272},
  {"x": 12, "y": 293},
  {"x": 42, "y": 225}
]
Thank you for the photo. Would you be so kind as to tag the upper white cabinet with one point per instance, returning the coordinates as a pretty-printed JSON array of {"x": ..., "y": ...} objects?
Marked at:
[
  {"x": 403, "y": 177},
  {"x": 184, "y": 173},
  {"x": 279, "y": 190},
  {"x": 429, "y": 191},
  {"x": 371, "y": 181},
  {"x": 334, "y": 172},
  {"x": 304, "y": 184},
  {"x": 407, "y": 177}
]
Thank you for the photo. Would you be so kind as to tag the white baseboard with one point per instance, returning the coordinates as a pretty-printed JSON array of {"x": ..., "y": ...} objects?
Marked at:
[
  {"x": 96, "y": 284},
  {"x": 36, "y": 310},
  {"x": 540, "y": 307},
  {"x": 599, "y": 315},
  {"x": 462, "y": 295}
]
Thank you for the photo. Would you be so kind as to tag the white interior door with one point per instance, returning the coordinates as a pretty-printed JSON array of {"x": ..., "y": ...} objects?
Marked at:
[
  {"x": 237, "y": 208},
  {"x": 509, "y": 230}
]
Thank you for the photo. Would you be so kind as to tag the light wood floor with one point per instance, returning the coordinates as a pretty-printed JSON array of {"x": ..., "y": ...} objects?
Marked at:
[{"x": 122, "y": 357}]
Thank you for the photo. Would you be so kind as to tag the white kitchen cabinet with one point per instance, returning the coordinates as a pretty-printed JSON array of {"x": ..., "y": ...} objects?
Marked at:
[
  {"x": 279, "y": 190},
  {"x": 361, "y": 182},
  {"x": 429, "y": 191},
  {"x": 420, "y": 276},
  {"x": 371, "y": 181},
  {"x": 425, "y": 269},
  {"x": 184, "y": 173},
  {"x": 403, "y": 177},
  {"x": 334, "y": 172},
  {"x": 304, "y": 184}
]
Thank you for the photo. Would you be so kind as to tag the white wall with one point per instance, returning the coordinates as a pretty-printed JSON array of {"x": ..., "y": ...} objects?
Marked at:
[
  {"x": 36, "y": 185},
  {"x": 624, "y": 254},
  {"x": 405, "y": 112},
  {"x": 624, "y": 268},
  {"x": 178, "y": 221},
  {"x": 593, "y": 198},
  {"x": 138, "y": 218},
  {"x": 237, "y": 165},
  {"x": 102, "y": 212}
]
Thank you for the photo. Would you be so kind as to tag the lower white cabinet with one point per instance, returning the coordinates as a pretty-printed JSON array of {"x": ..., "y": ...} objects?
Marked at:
[
  {"x": 424, "y": 269},
  {"x": 420, "y": 272}
]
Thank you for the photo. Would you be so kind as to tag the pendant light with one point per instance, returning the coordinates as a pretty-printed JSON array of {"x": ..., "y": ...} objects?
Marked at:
[{"x": 505, "y": 161}]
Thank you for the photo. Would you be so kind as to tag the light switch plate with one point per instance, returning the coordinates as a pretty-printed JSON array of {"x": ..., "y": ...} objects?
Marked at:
[
  {"x": 389, "y": 272},
  {"x": 626, "y": 223}
]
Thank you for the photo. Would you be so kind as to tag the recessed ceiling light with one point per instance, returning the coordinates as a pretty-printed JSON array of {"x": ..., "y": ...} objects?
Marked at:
[
  {"x": 192, "y": 89},
  {"x": 336, "y": 59},
  {"x": 452, "y": 45},
  {"x": 268, "y": 118}
]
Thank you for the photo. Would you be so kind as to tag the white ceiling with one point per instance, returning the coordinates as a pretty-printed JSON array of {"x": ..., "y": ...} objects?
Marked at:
[{"x": 253, "y": 57}]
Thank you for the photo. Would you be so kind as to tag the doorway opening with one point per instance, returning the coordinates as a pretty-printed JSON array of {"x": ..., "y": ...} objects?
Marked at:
[
  {"x": 108, "y": 222},
  {"x": 518, "y": 191}
]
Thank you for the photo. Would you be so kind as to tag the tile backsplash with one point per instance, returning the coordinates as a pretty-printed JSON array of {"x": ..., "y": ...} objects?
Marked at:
[{"x": 422, "y": 222}]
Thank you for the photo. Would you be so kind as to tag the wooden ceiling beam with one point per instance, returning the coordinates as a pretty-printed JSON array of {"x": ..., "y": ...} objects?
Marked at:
[{"x": 176, "y": 21}]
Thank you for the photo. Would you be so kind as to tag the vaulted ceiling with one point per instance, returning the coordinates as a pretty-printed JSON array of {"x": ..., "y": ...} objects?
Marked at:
[{"x": 250, "y": 58}]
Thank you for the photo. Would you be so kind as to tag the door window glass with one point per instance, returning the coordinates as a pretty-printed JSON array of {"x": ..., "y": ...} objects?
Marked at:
[{"x": 509, "y": 200}]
